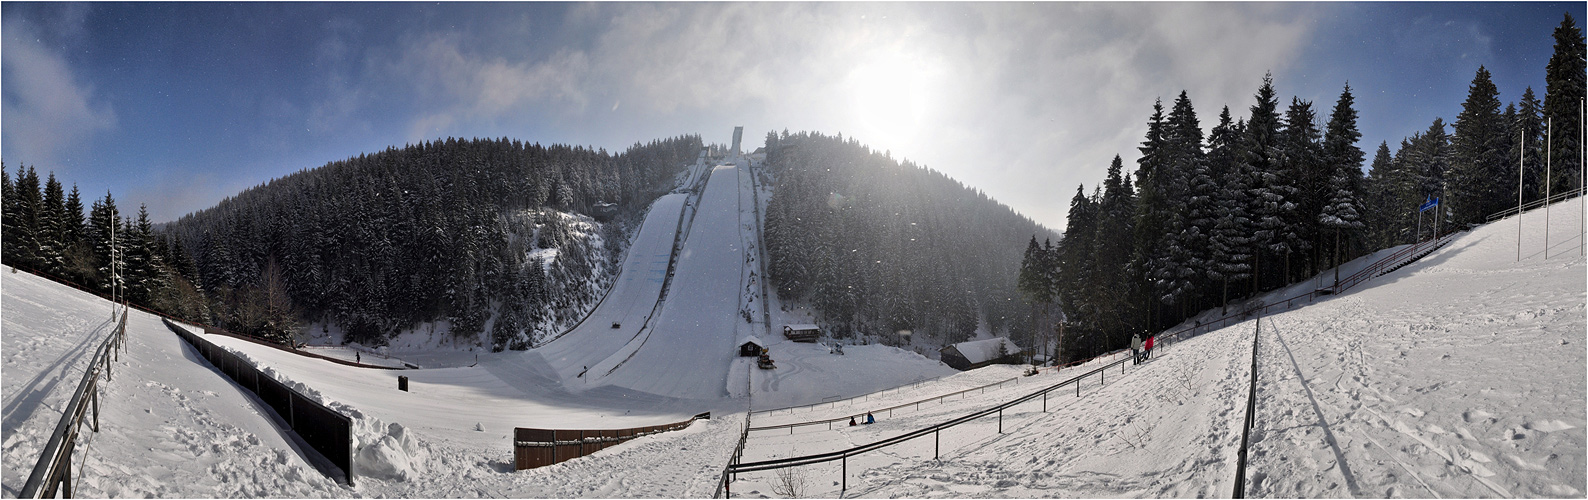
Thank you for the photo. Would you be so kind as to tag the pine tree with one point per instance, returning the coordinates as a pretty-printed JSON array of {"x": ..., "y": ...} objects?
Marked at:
[
  {"x": 1152, "y": 210},
  {"x": 1261, "y": 155},
  {"x": 1187, "y": 190},
  {"x": 28, "y": 234},
  {"x": 1301, "y": 181},
  {"x": 51, "y": 228},
  {"x": 1075, "y": 259},
  {"x": 103, "y": 222},
  {"x": 1378, "y": 189},
  {"x": 1478, "y": 153},
  {"x": 1228, "y": 244},
  {"x": 1529, "y": 128},
  {"x": 1563, "y": 97},
  {"x": 73, "y": 232},
  {"x": 1342, "y": 213},
  {"x": 9, "y": 219},
  {"x": 1112, "y": 285}
]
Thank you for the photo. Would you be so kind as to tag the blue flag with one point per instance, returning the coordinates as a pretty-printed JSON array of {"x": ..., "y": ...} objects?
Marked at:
[{"x": 1430, "y": 203}]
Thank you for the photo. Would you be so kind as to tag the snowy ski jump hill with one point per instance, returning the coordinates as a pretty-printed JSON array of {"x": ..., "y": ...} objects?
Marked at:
[{"x": 1461, "y": 375}]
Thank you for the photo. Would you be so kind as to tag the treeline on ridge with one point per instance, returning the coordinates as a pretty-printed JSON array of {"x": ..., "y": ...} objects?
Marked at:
[
  {"x": 433, "y": 231},
  {"x": 1265, "y": 201},
  {"x": 877, "y": 246}
]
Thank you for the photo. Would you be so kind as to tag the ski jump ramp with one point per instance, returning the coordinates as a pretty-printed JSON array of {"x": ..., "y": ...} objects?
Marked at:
[{"x": 680, "y": 345}]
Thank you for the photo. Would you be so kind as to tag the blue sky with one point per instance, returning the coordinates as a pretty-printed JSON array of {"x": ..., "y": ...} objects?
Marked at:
[{"x": 179, "y": 105}]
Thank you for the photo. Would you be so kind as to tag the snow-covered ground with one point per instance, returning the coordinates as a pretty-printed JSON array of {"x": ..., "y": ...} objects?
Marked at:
[{"x": 1461, "y": 375}]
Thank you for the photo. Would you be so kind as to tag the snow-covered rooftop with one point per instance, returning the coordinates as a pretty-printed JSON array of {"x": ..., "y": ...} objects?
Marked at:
[
  {"x": 802, "y": 327},
  {"x": 977, "y": 351}
]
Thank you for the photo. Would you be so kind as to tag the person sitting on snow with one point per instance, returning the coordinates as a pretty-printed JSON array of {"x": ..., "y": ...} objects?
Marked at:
[
  {"x": 870, "y": 419},
  {"x": 851, "y": 421}
]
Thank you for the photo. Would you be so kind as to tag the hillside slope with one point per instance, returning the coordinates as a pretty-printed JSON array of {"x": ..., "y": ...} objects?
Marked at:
[{"x": 1459, "y": 376}]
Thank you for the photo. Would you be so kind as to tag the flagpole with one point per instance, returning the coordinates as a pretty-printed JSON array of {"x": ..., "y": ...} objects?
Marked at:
[
  {"x": 1549, "y": 142},
  {"x": 1521, "y": 155}
]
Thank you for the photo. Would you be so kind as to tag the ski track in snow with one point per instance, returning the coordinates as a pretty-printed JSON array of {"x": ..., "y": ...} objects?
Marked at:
[{"x": 1462, "y": 375}]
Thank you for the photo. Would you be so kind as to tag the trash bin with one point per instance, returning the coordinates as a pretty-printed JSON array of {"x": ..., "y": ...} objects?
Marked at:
[{"x": 402, "y": 383}]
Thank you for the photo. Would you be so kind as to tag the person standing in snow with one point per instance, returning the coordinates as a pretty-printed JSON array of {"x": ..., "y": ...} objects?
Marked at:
[
  {"x": 1135, "y": 348},
  {"x": 1147, "y": 350}
]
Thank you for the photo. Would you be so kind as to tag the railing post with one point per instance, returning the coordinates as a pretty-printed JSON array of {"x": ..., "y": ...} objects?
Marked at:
[
  {"x": 1044, "y": 402},
  {"x": 1000, "y": 420},
  {"x": 96, "y": 408},
  {"x": 1077, "y": 387},
  {"x": 845, "y": 485},
  {"x": 66, "y": 472},
  {"x": 936, "y": 443}
]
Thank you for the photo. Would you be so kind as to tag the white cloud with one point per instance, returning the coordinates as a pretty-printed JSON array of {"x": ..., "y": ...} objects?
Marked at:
[
  {"x": 1021, "y": 100},
  {"x": 46, "y": 109},
  {"x": 455, "y": 86}
]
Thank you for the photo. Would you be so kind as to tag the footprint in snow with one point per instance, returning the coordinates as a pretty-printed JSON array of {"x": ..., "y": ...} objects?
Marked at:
[{"x": 1548, "y": 426}]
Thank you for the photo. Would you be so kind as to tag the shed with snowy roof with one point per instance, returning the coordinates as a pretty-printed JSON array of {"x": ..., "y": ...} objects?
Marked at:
[
  {"x": 750, "y": 346},
  {"x": 978, "y": 353},
  {"x": 802, "y": 333}
]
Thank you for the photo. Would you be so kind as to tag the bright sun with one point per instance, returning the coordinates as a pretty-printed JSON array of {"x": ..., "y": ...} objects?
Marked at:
[{"x": 891, "y": 99}]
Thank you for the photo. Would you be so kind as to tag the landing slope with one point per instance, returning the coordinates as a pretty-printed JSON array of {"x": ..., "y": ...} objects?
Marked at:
[{"x": 691, "y": 346}]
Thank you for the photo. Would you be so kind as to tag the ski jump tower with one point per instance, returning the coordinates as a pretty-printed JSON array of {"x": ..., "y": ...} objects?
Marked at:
[{"x": 738, "y": 133}]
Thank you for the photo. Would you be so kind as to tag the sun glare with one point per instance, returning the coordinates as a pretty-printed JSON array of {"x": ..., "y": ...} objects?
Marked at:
[{"x": 891, "y": 98}]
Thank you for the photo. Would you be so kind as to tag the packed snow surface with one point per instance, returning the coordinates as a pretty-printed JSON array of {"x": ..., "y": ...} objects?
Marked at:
[{"x": 1462, "y": 375}]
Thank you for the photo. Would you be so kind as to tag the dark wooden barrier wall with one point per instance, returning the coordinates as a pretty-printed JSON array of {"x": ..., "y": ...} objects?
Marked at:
[
  {"x": 325, "y": 430},
  {"x": 541, "y": 447}
]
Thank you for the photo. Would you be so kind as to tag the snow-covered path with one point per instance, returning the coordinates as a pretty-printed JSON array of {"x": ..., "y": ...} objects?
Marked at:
[
  {"x": 1461, "y": 375},
  {"x": 170, "y": 425}
]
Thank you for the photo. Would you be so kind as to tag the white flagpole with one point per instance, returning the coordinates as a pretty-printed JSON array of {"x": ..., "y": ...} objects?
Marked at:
[
  {"x": 1549, "y": 154},
  {"x": 1521, "y": 156},
  {"x": 1582, "y": 176}
]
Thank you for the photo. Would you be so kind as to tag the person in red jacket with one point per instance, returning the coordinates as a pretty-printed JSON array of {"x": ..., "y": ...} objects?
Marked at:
[{"x": 1148, "y": 353}]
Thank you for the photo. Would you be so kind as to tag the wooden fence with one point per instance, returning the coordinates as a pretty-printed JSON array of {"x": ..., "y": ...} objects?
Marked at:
[{"x": 541, "y": 447}]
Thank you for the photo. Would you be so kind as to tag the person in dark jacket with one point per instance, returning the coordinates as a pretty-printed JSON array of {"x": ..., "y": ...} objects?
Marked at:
[
  {"x": 870, "y": 419},
  {"x": 851, "y": 421}
]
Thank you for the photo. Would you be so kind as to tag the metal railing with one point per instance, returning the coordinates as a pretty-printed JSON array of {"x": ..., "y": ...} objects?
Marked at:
[
  {"x": 738, "y": 455},
  {"x": 1534, "y": 204},
  {"x": 1382, "y": 266},
  {"x": 1251, "y": 416},
  {"x": 917, "y": 404},
  {"x": 53, "y": 472},
  {"x": 862, "y": 397},
  {"x": 935, "y": 430}
]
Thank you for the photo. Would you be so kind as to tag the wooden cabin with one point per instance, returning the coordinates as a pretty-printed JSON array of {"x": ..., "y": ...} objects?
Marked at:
[
  {"x": 802, "y": 333},
  {"x": 978, "y": 353},
  {"x": 751, "y": 346}
]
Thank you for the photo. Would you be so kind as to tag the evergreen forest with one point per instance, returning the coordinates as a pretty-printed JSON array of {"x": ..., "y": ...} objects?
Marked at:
[
  {"x": 1277, "y": 196},
  {"x": 884, "y": 249}
]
